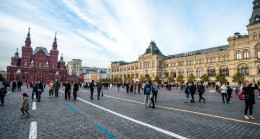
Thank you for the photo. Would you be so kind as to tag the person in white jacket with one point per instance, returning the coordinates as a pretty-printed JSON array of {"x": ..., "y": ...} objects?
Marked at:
[{"x": 224, "y": 90}]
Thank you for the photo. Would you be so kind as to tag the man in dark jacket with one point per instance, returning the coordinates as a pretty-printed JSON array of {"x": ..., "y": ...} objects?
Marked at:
[
  {"x": 192, "y": 92},
  {"x": 67, "y": 90},
  {"x": 14, "y": 86},
  {"x": 2, "y": 94},
  {"x": 201, "y": 91},
  {"x": 19, "y": 85},
  {"x": 38, "y": 89},
  {"x": 147, "y": 93},
  {"x": 118, "y": 86},
  {"x": 75, "y": 89},
  {"x": 91, "y": 86},
  {"x": 99, "y": 88},
  {"x": 248, "y": 91},
  {"x": 139, "y": 87},
  {"x": 56, "y": 87}
]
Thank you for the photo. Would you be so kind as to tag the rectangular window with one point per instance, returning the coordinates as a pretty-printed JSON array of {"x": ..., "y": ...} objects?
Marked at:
[{"x": 258, "y": 54}]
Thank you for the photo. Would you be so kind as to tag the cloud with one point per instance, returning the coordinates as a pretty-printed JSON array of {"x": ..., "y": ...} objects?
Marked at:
[{"x": 99, "y": 32}]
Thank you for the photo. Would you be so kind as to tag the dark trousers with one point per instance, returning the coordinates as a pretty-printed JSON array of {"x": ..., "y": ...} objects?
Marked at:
[
  {"x": 56, "y": 93},
  {"x": 91, "y": 93},
  {"x": 38, "y": 95},
  {"x": 32, "y": 94},
  {"x": 224, "y": 95},
  {"x": 152, "y": 99},
  {"x": 50, "y": 92},
  {"x": 22, "y": 110},
  {"x": 192, "y": 96},
  {"x": 98, "y": 93},
  {"x": 250, "y": 106},
  {"x": 75, "y": 95},
  {"x": 67, "y": 94},
  {"x": 19, "y": 88},
  {"x": 118, "y": 88},
  {"x": 228, "y": 96},
  {"x": 155, "y": 95},
  {"x": 200, "y": 94},
  {"x": 139, "y": 90},
  {"x": 2, "y": 99}
]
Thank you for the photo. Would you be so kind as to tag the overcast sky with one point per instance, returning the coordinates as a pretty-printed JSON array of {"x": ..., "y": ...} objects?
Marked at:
[{"x": 101, "y": 31}]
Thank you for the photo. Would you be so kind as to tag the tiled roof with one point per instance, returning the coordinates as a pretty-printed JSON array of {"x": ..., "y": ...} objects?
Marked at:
[{"x": 41, "y": 48}]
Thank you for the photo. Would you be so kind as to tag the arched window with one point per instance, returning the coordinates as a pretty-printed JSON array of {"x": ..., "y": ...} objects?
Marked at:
[
  {"x": 238, "y": 55},
  {"x": 211, "y": 72},
  {"x": 243, "y": 69},
  {"x": 189, "y": 72},
  {"x": 226, "y": 57},
  {"x": 199, "y": 72},
  {"x": 25, "y": 64},
  {"x": 224, "y": 71},
  {"x": 245, "y": 54},
  {"x": 181, "y": 72},
  {"x": 173, "y": 73}
]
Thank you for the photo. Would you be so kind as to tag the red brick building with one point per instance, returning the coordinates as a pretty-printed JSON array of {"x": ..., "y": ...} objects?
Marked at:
[{"x": 37, "y": 64}]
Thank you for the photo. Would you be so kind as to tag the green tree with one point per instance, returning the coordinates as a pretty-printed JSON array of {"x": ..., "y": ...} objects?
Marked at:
[
  {"x": 2, "y": 78},
  {"x": 180, "y": 78},
  {"x": 221, "y": 78},
  {"x": 170, "y": 79},
  {"x": 191, "y": 78},
  {"x": 238, "y": 78},
  {"x": 119, "y": 79},
  {"x": 142, "y": 79},
  {"x": 125, "y": 79},
  {"x": 205, "y": 78},
  {"x": 130, "y": 79},
  {"x": 115, "y": 79},
  {"x": 157, "y": 79},
  {"x": 148, "y": 78}
]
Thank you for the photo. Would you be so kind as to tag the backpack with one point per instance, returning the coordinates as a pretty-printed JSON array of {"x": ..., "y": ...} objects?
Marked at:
[{"x": 148, "y": 90}]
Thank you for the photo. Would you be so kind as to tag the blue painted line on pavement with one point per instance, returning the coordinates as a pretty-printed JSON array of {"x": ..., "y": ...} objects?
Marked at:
[
  {"x": 104, "y": 131},
  {"x": 71, "y": 107}
]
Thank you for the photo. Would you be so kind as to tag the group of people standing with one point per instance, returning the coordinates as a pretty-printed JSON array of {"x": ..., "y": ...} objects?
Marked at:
[{"x": 150, "y": 94}]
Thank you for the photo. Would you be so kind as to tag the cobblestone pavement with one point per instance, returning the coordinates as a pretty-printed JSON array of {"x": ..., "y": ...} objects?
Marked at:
[{"x": 59, "y": 118}]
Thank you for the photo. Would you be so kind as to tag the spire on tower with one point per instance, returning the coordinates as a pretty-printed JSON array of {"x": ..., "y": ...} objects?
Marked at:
[
  {"x": 28, "y": 39},
  {"x": 54, "y": 45}
]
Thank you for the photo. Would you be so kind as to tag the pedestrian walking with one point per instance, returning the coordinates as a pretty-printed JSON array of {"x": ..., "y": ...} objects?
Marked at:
[
  {"x": 217, "y": 88},
  {"x": 118, "y": 86},
  {"x": 99, "y": 88},
  {"x": 147, "y": 92},
  {"x": 152, "y": 96},
  {"x": 56, "y": 87},
  {"x": 67, "y": 90},
  {"x": 187, "y": 92},
  {"x": 2, "y": 95},
  {"x": 91, "y": 86},
  {"x": 155, "y": 93},
  {"x": 134, "y": 86},
  {"x": 201, "y": 90},
  {"x": 229, "y": 94},
  {"x": 25, "y": 105},
  {"x": 248, "y": 91},
  {"x": 75, "y": 89},
  {"x": 139, "y": 87},
  {"x": 127, "y": 88},
  {"x": 224, "y": 90},
  {"x": 38, "y": 90},
  {"x": 192, "y": 92},
  {"x": 33, "y": 88},
  {"x": 14, "y": 86},
  {"x": 50, "y": 84},
  {"x": 236, "y": 92},
  {"x": 19, "y": 85}
]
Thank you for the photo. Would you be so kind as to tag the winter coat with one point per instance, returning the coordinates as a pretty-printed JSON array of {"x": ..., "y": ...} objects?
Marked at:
[
  {"x": 2, "y": 92},
  {"x": 25, "y": 104},
  {"x": 56, "y": 86},
  {"x": 193, "y": 88},
  {"x": 201, "y": 89},
  {"x": 75, "y": 87},
  {"x": 67, "y": 87},
  {"x": 223, "y": 89},
  {"x": 249, "y": 94},
  {"x": 99, "y": 86}
]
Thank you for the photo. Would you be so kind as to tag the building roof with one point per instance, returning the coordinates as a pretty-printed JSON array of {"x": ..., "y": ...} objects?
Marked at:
[
  {"x": 152, "y": 48},
  {"x": 197, "y": 52},
  {"x": 255, "y": 17},
  {"x": 37, "y": 49}
]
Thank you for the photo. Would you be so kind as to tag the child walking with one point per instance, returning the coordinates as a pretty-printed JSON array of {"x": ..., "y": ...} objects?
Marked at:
[{"x": 25, "y": 105}]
